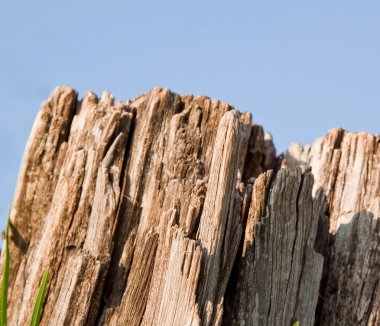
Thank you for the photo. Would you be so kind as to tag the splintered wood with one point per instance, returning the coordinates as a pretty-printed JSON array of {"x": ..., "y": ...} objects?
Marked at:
[{"x": 173, "y": 210}]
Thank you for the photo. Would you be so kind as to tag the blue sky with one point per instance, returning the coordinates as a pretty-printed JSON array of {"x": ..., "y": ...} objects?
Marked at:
[{"x": 300, "y": 67}]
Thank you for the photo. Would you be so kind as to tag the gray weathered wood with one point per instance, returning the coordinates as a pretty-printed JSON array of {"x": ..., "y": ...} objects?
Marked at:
[
  {"x": 277, "y": 277},
  {"x": 347, "y": 171}
]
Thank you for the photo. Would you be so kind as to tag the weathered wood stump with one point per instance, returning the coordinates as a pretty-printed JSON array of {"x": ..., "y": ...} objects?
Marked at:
[{"x": 175, "y": 210}]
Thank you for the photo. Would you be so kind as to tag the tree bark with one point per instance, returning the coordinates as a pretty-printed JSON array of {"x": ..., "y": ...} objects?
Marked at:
[{"x": 175, "y": 210}]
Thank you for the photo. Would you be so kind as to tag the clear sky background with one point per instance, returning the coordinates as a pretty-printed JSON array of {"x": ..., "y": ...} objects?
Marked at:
[{"x": 301, "y": 67}]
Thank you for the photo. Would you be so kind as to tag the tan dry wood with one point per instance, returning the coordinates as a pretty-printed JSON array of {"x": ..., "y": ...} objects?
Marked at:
[{"x": 164, "y": 210}]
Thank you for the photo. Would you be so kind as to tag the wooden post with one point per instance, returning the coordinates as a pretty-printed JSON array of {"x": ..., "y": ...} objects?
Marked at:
[{"x": 175, "y": 210}]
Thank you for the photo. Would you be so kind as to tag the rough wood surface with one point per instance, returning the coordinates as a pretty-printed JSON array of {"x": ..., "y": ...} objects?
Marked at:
[
  {"x": 347, "y": 173},
  {"x": 173, "y": 210},
  {"x": 278, "y": 274}
]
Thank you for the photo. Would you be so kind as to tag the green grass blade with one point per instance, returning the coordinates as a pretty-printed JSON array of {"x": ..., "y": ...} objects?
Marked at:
[
  {"x": 5, "y": 280},
  {"x": 296, "y": 324},
  {"x": 40, "y": 299}
]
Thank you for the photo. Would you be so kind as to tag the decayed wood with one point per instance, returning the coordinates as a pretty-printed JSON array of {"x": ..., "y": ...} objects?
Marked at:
[
  {"x": 278, "y": 274},
  {"x": 171, "y": 210},
  {"x": 92, "y": 164},
  {"x": 347, "y": 170},
  {"x": 173, "y": 174},
  {"x": 43, "y": 160}
]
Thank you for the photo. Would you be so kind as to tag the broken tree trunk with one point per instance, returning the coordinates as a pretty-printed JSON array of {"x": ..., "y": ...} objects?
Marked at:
[
  {"x": 174, "y": 210},
  {"x": 346, "y": 167}
]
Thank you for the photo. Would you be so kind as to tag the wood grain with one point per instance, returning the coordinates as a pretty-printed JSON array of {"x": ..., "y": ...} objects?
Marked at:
[{"x": 175, "y": 210}]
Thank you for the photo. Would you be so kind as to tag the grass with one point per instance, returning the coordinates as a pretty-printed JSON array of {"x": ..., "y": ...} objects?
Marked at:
[
  {"x": 40, "y": 299},
  {"x": 4, "y": 281},
  {"x": 5, "y": 284}
]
